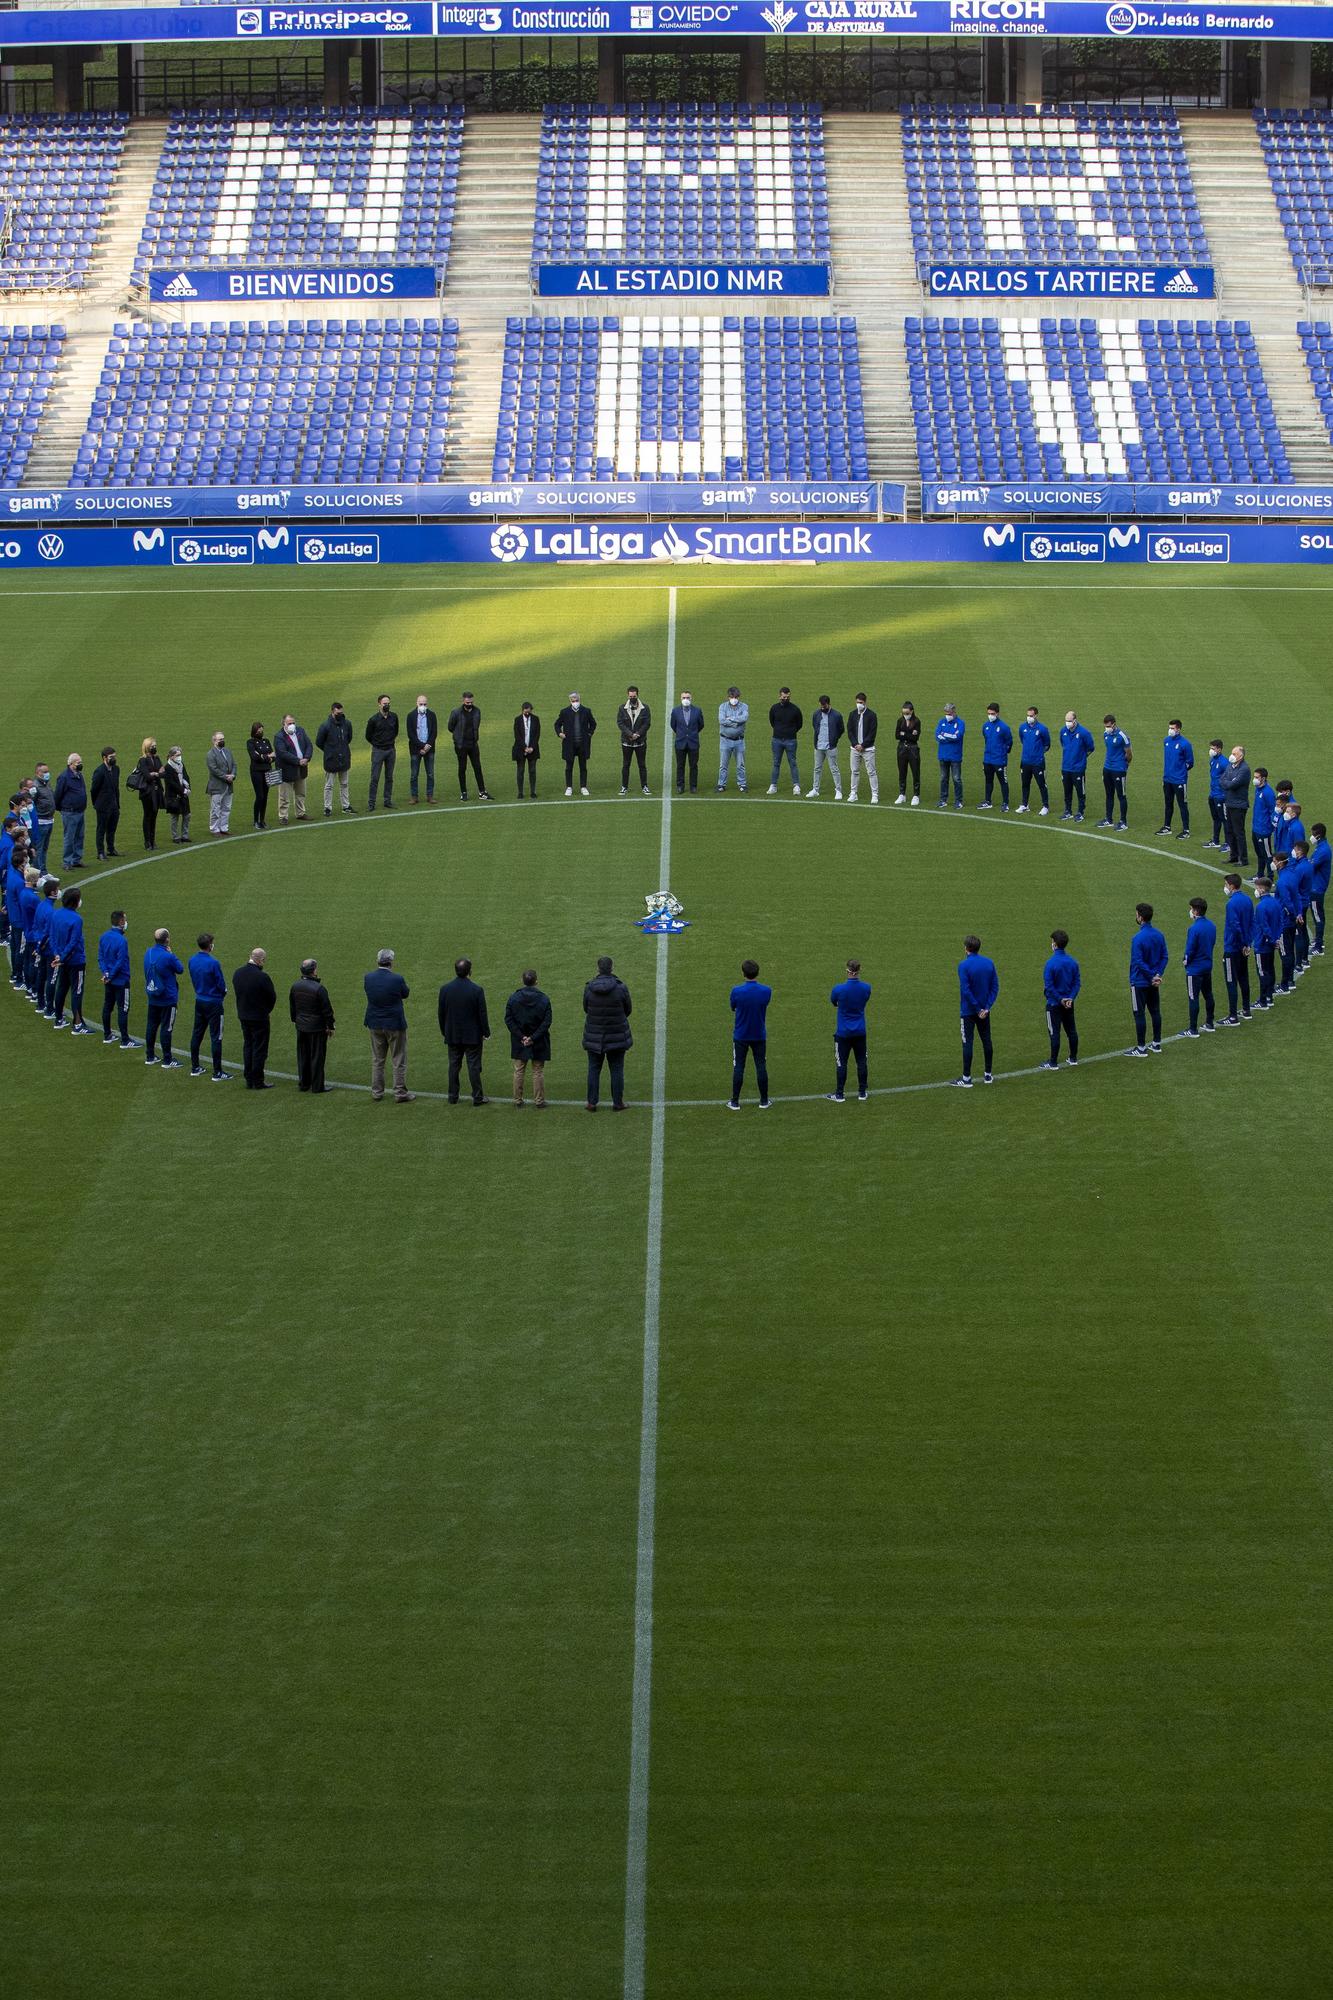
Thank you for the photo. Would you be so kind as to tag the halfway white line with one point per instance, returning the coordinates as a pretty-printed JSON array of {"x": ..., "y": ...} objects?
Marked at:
[{"x": 641, "y": 1696}]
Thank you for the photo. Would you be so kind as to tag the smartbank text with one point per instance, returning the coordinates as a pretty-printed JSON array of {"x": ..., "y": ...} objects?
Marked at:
[{"x": 598, "y": 544}]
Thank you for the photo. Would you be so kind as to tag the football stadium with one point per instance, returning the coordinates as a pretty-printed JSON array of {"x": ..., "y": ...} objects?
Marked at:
[{"x": 768, "y": 568}]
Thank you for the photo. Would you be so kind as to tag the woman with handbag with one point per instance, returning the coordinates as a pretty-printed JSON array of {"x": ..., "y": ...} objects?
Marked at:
[
  {"x": 263, "y": 772},
  {"x": 176, "y": 786},
  {"x": 147, "y": 781}
]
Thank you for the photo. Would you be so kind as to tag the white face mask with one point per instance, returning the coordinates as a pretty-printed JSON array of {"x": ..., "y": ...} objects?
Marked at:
[
  {"x": 421, "y": 708},
  {"x": 574, "y": 702}
]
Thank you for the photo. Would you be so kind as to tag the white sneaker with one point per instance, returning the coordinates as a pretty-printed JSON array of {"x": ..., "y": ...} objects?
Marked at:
[
  {"x": 1044, "y": 812},
  {"x": 915, "y": 800},
  {"x": 772, "y": 791},
  {"x": 901, "y": 799},
  {"x": 874, "y": 798},
  {"x": 569, "y": 791},
  {"x": 837, "y": 798},
  {"x": 1023, "y": 809},
  {"x": 796, "y": 791},
  {"x": 812, "y": 794},
  {"x": 583, "y": 789}
]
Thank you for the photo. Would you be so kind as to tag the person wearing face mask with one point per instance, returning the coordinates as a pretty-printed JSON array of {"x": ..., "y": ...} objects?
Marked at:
[
  {"x": 575, "y": 726},
  {"x": 1076, "y": 746},
  {"x": 785, "y": 720},
  {"x": 176, "y": 796},
  {"x": 106, "y": 804},
  {"x": 686, "y": 725},
  {"x": 1177, "y": 763},
  {"x": 907, "y": 736},
  {"x": 633, "y": 719},
  {"x": 1116, "y": 760},
  {"x": 293, "y": 750},
  {"x": 527, "y": 748},
  {"x": 382, "y": 736},
  {"x": 43, "y": 813},
  {"x": 1034, "y": 740},
  {"x": 221, "y": 785},
  {"x": 259, "y": 752},
  {"x": 71, "y": 800},
  {"x": 333, "y": 739},
  {"x": 732, "y": 716},
  {"x": 862, "y": 729},
  {"x": 464, "y": 725},
  {"x": 422, "y": 730},
  {"x": 147, "y": 780},
  {"x": 997, "y": 740},
  {"x": 1235, "y": 785},
  {"x": 827, "y": 729}
]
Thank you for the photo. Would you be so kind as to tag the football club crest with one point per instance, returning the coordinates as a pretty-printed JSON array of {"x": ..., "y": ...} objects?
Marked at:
[{"x": 664, "y": 917}]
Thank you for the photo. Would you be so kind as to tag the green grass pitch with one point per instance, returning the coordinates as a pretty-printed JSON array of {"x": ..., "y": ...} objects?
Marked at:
[{"x": 991, "y": 1612}]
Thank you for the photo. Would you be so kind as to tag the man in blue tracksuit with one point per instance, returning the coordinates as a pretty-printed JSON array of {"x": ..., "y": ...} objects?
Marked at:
[
  {"x": 1148, "y": 960},
  {"x": 1034, "y": 740},
  {"x": 1288, "y": 828},
  {"x": 1268, "y": 925},
  {"x": 1299, "y": 867},
  {"x": 69, "y": 960},
  {"x": 978, "y": 990},
  {"x": 849, "y": 1031},
  {"x": 1289, "y": 898},
  {"x": 1076, "y": 746},
  {"x": 14, "y": 912},
  {"x": 1217, "y": 764},
  {"x": 1061, "y": 981},
  {"x": 161, "y": 972},
  {"x": 1237, "y": 946},
  {"x": 43, "y": 992},
  {"x": 1200, "y": 948},
  {"x": 1177, "y": 763},
  {"x": 210, "y": 990},
  {"x": 749, "y": 1034},
  {"x": 28, "y": 900},
  {"x": 949, "y": 733},
  {"x": 997, "y": 740},
  {"x": 1116, "y": 761},
  {"x": 1321, "y": 863},
  {"x": 113, "y": 964},
  {"x": 1261, "y": 821}
]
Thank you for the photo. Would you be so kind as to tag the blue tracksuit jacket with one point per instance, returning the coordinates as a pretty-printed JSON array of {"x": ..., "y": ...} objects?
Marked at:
[
  {"x": 1238, "y": 924},
  {"x": 67, "y": 937},
  {"x": 1269, "y": 922},
  {"x": 1034, "y": 740},
  {"x": 1060, "y": 978},
  {"x": 749, "y": 1003},
  {"x": 1261, "y": 823},
  {"x": 850, "y": 1000},
  {"x": 208, "y": 979},
  {"x": 161, "y": 970},
  {"x": 978, "y": 983},
  {"x": 1177, "y": 759},
  {"x": 1216, "y": 765},
  {"x": 1117, "y": 753},
  {"x": 1076, "y": 746},
  {"x": 113, "y": 957},
  {"x": 997, "y": 740},
  {"x": 1321, "y": 864},
  {"x": 949, "y": 734},
  {"x": 1148, "y": 956},
  {"x": 1200, "y": 945}
]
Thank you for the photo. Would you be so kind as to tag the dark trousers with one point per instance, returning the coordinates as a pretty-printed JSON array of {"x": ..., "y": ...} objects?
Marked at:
[
  {"x": 1029, "y": 772},
  {"x": 527, "y": 768},
  {"x": 1147, "y": 1004},
  {"x": 687, "y": 754},
  {"x": 615, "y": 1062},
  {"x": 254, "y": 1051},
  {"x": 312, "y": 1048},
  {"x": 573, "y": 757},
  {"x": 382, "y": 764},
  {"x": 740, "y": 1050},
  {"x": 116, "y": 1001},
  {"x": 1302, "y": 939},
  {"x": 1061, "y": 1020},
  {"x": 69, "y": 985},
  {"x": 1199, "y": 990},
  {"x": 1113, "y": 784},
  {"x": 1263, "y": 854},
  {"x": 1217, "y": 814},
  {"x": 1074, "y": 784},
  {"x": 108, "y": 819},
  {"x": 845, "y": 1046},
  {"x": 1173, "y": 796},
  {"x": 1317, "y": 905},
  {"x": 207, "y": 1021},
  {"x": 161, "y": 1021},
  {"x": 458, "y": 1053},
  {"x": 991, "y": 772},
  {"x": 150, "y": 813},
  {"x": 1237, "y": 850},
  {"x": 470, "y": 756},
  {"x": 1288, "y": 950},
  {"x": 946, "y": 771},
  {"x": 260, "y": 789},
  {"x": 45, "y": 986},
  {"x": 1267, "y": 956},
  {"x": 420, "y": 757},
  {"x": 631, "y": 753},
  {"x": 1236, "y": 970},
  {"x": 978, "y": 1025},
  {"x": 909, "y": 765}
]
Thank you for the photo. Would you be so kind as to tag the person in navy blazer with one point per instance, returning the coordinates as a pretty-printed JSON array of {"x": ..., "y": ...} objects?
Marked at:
[
  {"x": 686, "y": 727},
  {"x": 527, "y": 747},
  {"x": 464, "y": 1025},
  {"x": 386, "y": 1021},
  {"x": 293, "y": 751}
]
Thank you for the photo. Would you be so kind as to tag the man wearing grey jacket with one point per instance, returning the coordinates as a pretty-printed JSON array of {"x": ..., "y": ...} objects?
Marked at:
[
  {"x": 1235, "y": 788},
  {"x": 221, "y": 767},
  {"x": 732, "y": 717}
]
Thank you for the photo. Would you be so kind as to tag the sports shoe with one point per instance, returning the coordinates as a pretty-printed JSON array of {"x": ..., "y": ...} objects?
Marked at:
[
  {"x": 481, "y": 795},
  {"x": 1188, "y": 1035},
  {"x": 765, "y": 1104},
  {"x": 131, "y": 1044},
  {"x": 772, "y": 791},
  {"x": 173, "y": 1064},
  {"x": 1048, "y": 1065},
  {"x": 962, "y": 1083},
  {"x": 198, "y": 1072},
  {"x": 862, "y": 1096},
  {"x": 985, "y": 806},
  {"x": 1123, "y": 827},
  {"x": 986, "y": 1077},
  {"x": 83, "y": 1029},
  {"x": 647, "y": 791},
  {"x": 733, "y": 1107},
  {"x": 1023, "y": 809},
  {"x": 584, "y": 792},
  {"x": 1078, "y": 819},
  {"x": 1044, "y": 813},
  {"x": 1161, "y": 830},
  {"x": 1183, "y": 834},
  {"x": 837, "y": 798},
  {"x": 901, "y": 799},
  {"x": 1005, "y": 806},
  {"x": 796, "y": 791},
  {"x": 1072, "y": 1063},
  {"x": 57, "y": 1024},
  {"x": 812, "y": 793},
  {"x": 915, "y": 800},
  {"x": 221, "y": 1076},
  {"x": 1105, "y": 822},
  {"x": 1208, "y": 1028},
  {"x": 1136, "y": 1052},
  {"x": 108, "y": 1041},
  {"x": 624, "y": 791},
  {"x": 149, "y": 1062},
  {"x": 328, "y": 812},
  {"x": 1156, "y": 1048},
  {"x": 569, "y": 791},
  {"x": 958, "y": 805},
  {"x": 1066, "y": 815},
  {"x": 943, "y": 806},
  {"x": 833, "y": 1097},
  {"x": 1212, "y": 843}
]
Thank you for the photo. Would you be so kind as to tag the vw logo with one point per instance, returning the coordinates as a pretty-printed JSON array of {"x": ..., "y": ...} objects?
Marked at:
[
  {"x": 51, "y": 548},
  {"x": 509, "y": 544}
]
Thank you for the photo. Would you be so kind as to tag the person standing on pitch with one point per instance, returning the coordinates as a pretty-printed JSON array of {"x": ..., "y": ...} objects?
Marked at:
[
  {"x": 1034, "y": 740},
  {"x": 1261, "y": 822},
  {"x": 949, "y": 733},
  {"x": 176, "y": 794},
  {"x": 1061, "y": 982},
  {"x": 528, "y": 1019},
  {"x": 39, "y": 943},
  {"x": 106, "y": 803},
  {"x": 263, "y": 765},
  {"x": 576, "y": 726},
  {"x": 333, "y": 739},
  {"x": 978, "y": 990},
  {"x": 1217, "y": 763},
  {"x": 862, "y": 730},
  {"x": 1076, "y": 746},
  {"x": 732, "y": 716},
  {"x": 785, "y": 720},
  {"x": 255, "y": 996},
  {"x": 749, "y": 1033},
  {"x": 1200, "y": 947},
  {"x": 1268, "y": 927},
  {"x": 633, "y": 719},
  {"x": 1288, "y": 827},
  {"x": 71, "y": 797},
  {"x": 849, "y": 1032},
  {"x": 1148, "y": 960},
  {"x": 997, "y": 740},
  {"x": 1321, "y": 864},
  {"x": 312, "y": 1016},
  {"x": 1177, "y": 763},
  {"x": 161, "y": 975},
  {"x": 423, "y": 729},
  {"x": 827, "y": 727},
  {"x": 386, "y": 1021},
  {"x": 382, "y": 736},
  {"x": 687, "y": 723},
  {"x": 1235, "y": 786},
  {"x": 464, "y": 725},
  {"x": 293, "y": 750},
  {"x": 1303, "y": 873},
  {"x": 148, "y": 780},
  {"x": 606, "y": 1033},
  {"x": 464, "y": 1026},
  {"x": 210, "y": 991},
  {"x": 527, "y": 748},
  {"x": 907, "y": 738},
  {"x": 113, "y": 964},
  {"x": 1237, "y": 944},
  {"x": 1117, "y": 758},
  {"x": 69, "y": 961},
  {"x": 220, "y": 785}
]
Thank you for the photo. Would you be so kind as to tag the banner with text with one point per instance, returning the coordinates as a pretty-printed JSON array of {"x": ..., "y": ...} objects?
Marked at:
[
  {"x": 619, "y": 281},
  {"x": 312, "y": 282},
  {"x": 1082, "y": 497},
  {"x": 1071, "y": 281}
]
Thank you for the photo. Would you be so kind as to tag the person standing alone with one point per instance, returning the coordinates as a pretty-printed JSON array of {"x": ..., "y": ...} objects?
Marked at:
[
  {"x": 606, "y": 1033},
  {"x": 749, "y": 1034},
  {"x": 850, "y": 1000}
]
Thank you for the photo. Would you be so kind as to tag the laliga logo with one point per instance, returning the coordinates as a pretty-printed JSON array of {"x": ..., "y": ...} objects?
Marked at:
[
  {"x": 509, "y": 544},
  {"x": 314, "y": 549},
  {"x": 51, "y": 548},
  {"x": 1039, "y": 547},
  {"x": 189, "y": 550},
  {"x": 778, "y": 17},
  {"x": 1122, "y": 20},
  {"x": 1165, "y": 548}
]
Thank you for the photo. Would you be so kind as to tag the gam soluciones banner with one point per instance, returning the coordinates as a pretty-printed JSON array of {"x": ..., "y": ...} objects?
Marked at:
[{"x": 1070, "y": 281}]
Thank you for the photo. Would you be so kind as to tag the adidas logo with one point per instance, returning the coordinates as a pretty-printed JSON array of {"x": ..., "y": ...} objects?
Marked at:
[
  {"x": 1180, "y": 285},
  {"x": 181, "y": 288}
]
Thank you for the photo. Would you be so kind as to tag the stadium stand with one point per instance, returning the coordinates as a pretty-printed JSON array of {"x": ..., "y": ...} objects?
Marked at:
[
  {"x": 55, "y": 182},
  {"x": 1072, "y": 399},
  {"x": 309, "y": 187},
  {"x": 1317, "y": 347},
  {"x": 28, "y": 357},
  {"x": 295, "y": 401},
  {"x": 733, "y": 183},
  {"x": 1298, "y": 152},
  {"x": 1087, "y": 184},
  {"x": 680, "y": 397}
]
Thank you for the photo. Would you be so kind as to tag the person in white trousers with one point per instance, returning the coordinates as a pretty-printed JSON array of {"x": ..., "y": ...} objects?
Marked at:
[{"x": 862, "y": 729}]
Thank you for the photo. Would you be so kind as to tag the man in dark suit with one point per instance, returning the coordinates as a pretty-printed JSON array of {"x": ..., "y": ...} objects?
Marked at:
[
  {"x": 464, "y": 725},
  {"x": 312, "y": 1017},
  {"x": 686, "y": 725},
  {"x": 606, "y": 1035},
  {"x": 422, "y": 729},
  {"x": 382, "y": 736},
  {"x": 293, "y": 750},
  {"x": 106, "y": 804},
  {"x": 528, "y": 1019},
  {"x": 464, "y": 1026},
  {"x": 527, "y": 747},
  {"x": 255, "y": 996},
  {"x": 386, "y": 991},
  {"x": 634, "y": 719},
  {"x": 575, "y": 726}
]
